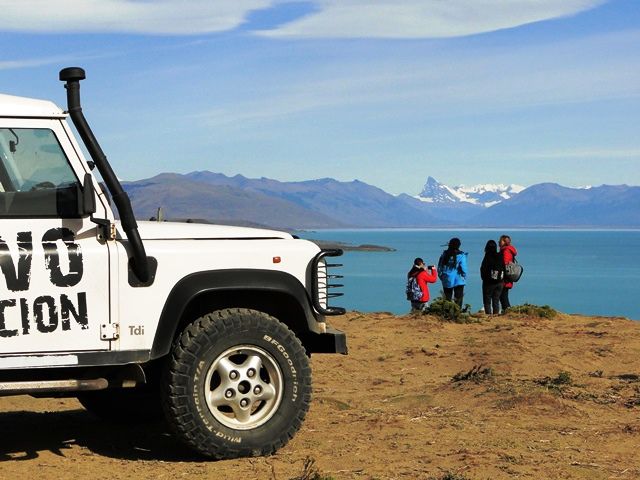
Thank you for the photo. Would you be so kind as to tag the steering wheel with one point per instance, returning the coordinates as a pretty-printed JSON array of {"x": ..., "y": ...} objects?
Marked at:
[{"x": 42, "y": 186}]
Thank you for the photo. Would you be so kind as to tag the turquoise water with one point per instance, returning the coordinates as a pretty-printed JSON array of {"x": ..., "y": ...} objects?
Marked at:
[{"x": 587, "y": 272}]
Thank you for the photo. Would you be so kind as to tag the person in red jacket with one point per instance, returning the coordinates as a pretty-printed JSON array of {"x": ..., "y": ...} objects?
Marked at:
[
  {"x": 423, "y": 275},
  {"x": 508, "y": 254}
]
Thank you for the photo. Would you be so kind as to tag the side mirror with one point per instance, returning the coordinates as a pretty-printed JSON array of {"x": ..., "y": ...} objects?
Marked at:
[{"x": 88, "y": 196}]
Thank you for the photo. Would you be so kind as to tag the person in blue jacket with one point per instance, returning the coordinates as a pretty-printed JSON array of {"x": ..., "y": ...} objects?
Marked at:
[{"x": 452, "y": 270}]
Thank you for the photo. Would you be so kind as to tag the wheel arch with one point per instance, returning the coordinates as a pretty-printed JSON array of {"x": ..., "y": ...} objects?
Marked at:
[{"x": 278, "y": 294}]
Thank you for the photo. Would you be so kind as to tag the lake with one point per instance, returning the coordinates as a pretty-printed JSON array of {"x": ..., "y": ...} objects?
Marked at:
[{"x": 592, "y": 272}]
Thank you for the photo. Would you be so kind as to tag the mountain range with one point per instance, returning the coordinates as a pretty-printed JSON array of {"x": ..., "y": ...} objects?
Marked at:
[{"x": 328, "y": 203}]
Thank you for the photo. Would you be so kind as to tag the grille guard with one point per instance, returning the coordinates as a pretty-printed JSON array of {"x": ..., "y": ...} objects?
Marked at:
[{"x": 322, "y": 282}]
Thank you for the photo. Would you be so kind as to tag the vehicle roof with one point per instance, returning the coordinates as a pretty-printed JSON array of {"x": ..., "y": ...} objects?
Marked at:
[{"x": 12, "y": 106}]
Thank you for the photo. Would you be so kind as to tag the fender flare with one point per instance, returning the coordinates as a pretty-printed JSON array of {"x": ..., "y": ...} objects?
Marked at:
[{"x": 218, "y": 281}]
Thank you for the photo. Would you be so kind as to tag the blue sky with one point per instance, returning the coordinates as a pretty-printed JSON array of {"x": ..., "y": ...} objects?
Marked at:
[{"x": 387, "y": 92}]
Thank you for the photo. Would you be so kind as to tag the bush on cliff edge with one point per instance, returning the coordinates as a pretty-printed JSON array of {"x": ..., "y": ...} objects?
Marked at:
[
  {"x": 449, "y": 311},
  {"x": 545, "y": 311}
]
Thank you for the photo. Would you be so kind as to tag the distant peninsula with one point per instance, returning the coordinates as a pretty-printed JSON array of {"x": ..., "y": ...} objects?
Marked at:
[{"x": 347, "y": 247}]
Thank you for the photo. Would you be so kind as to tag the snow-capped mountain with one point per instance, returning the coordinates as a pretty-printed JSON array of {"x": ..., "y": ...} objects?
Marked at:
[{"x": 485, "y": 195}]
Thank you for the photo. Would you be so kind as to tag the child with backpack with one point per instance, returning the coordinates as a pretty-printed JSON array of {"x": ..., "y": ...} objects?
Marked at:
[{"x": 417, "y": 279}]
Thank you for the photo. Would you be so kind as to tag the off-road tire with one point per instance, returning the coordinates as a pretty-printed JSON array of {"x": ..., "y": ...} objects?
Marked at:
[{"x": 203, "y": 357}]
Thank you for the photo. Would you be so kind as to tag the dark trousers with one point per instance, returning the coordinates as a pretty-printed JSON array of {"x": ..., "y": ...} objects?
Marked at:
[
  {"x": 504, "y": 299},
  {"x": 491, "y": 297},
  {"x": 456, "y": 292}
]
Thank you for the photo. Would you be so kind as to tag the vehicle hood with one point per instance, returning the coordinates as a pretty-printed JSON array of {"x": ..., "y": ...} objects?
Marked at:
[{"x": 189, "y": 231}]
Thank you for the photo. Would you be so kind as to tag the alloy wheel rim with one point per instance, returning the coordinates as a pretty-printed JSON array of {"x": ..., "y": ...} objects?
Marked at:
[{"x": 243, "y": 387}]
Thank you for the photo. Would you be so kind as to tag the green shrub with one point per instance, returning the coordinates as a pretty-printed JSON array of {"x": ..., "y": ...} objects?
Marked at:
[
  {"x": 545, "y": 311},
  {"x": 563, "y": 379},
  {"x": 310, "y": 471},
  {"x": 477, "y": 374},
  {"x": 444, "y": 309},
  {"x": 450, "y": 476},
  {"x": 449, "y": 311}
]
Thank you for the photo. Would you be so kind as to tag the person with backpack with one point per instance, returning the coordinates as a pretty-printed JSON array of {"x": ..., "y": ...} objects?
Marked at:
[
  {"x": 452, "y": 268},
  {"x": 492, "y": 274},
  {"x": 417, "y": 279},
  {"x": 509, "y": 253}
]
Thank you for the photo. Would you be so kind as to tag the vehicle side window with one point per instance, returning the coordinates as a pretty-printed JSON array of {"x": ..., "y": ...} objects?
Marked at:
[{"x": 36, "y": 179}]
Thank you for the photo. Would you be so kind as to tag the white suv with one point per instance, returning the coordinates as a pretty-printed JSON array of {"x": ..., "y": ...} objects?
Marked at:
[{"x": 211, "y": 326}]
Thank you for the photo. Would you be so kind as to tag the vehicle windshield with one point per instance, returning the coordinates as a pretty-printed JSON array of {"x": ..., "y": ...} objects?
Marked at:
[
  {"x": 31, "y": 159},
  {"x": 36, "y": 179}
]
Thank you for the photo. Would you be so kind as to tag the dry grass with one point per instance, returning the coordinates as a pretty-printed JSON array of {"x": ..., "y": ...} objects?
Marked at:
[{"x": 514, "y": 396}]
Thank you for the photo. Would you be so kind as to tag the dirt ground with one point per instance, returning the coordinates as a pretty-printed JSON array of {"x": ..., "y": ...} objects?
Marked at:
[{"x": 508, "y": 397}]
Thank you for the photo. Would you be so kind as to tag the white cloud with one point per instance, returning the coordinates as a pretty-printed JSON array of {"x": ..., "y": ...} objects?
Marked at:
[
  {"x": 449, "y": 82},
  {"x": 34, "y": 62},
  {"x": 130, "y": 16},
  {"x": 424, "y": 18},
  {"x": 298, "y": 98},
  {"x": 333, "y": 19},
  {"x": 590, "y": 153}
]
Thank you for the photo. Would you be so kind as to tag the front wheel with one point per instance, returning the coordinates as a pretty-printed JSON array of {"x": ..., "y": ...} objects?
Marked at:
[{"x": 238, "y": 384}]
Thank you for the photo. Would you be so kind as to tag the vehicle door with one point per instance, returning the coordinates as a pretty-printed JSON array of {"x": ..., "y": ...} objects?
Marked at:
[{"x": 54, "y": 279}]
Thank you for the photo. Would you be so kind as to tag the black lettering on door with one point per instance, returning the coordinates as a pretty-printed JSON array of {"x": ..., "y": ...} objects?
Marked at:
[
  {"x": 17, "y": 281},
  {"x": 68, "y": 309},
  {"x": 46, "y": 322},
  {"x": 3, "y": 327},
  {"x": 24, "y": 314},
  {"x": 52, "y": 260}
]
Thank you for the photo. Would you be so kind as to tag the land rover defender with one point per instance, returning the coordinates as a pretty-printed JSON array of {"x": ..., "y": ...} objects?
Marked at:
[{"x": 210, "y": 326}]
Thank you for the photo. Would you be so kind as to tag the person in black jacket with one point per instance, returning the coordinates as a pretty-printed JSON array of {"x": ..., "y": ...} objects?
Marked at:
[{"x": 492, "y": 274}]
